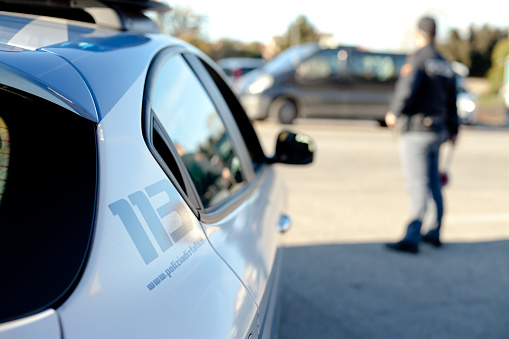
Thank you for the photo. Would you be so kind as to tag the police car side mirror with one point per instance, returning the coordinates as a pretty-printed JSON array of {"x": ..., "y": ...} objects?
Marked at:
[{"x": 294, "y": 149}]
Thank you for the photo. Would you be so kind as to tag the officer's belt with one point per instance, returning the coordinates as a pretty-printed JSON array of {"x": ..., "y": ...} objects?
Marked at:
[{"x": 422, "y": 122}]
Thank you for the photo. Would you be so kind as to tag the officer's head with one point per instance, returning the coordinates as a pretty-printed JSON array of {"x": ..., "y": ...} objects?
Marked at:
[{"x": 426, "y": 31}]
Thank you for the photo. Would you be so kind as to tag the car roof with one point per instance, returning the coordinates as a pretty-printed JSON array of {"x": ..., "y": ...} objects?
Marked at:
[{"x": 80, "y": 66}]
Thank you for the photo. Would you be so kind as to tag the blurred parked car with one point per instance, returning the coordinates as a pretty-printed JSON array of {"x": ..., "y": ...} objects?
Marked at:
[
  {"x": 468, "y": 109},
  {"x": 237, "y": 67},
  {"x": 466, "y": 102},
  {"x": 504, "y": 89},
  {"x": 135, "y": 198},
  {"x": 314, "y": 81}
]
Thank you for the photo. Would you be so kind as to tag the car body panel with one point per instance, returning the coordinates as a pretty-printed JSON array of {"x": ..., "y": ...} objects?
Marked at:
[
  {"x": 468, "y": 108},
  {"x": 324, "y": 98},
  {"x": 50, "y": 72},
  {"x": 466, "y": 102},
  {"x": 25, "y": 82},
  {"x": 247, "y": 239},
  {"x": 256, "y": 106},
  {"x": 46, "y": 322},
  {"x": 107, "y": 66},
  {"x": 152, "y": 292}
]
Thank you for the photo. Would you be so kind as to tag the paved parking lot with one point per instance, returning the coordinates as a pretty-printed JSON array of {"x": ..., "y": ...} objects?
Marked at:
[{"x": 340, "y": 282}]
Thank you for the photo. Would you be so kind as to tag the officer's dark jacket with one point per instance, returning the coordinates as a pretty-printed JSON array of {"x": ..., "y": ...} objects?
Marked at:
[{"x": 426, "y": 93}]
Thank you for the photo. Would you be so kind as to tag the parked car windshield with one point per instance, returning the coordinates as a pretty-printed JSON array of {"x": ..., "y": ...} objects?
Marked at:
[{"x": 290, "y": 58}]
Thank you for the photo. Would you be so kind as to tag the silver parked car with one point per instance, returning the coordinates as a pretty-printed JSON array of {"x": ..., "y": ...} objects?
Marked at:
[
  {"x": 238, "y": 66},
  {"x": 135, "y": 199},
  {"x": 466, "y": 102}
]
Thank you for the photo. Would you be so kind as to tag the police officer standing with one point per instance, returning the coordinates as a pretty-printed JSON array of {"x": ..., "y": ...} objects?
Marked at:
[{"x": 424, "y": 111}]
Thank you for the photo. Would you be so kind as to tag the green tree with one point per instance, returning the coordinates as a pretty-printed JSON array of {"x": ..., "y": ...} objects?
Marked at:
[
  {"x": 482, "y": 43},
  {"x": 498, "y": 57},
  {"x": 226, "y": 48},
  {"x": 475, "y": 51},
  {"x": 457, "y": 49},
  {"x": 300, "y": 31},
  {"x": 185, "y": 24}
]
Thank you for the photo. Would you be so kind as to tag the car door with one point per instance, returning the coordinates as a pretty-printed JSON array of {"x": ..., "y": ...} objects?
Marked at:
[
  {"x": 321, "y": 85},
  {"x": 373, "y": 76},
  {"x": 237, "y": 197}
]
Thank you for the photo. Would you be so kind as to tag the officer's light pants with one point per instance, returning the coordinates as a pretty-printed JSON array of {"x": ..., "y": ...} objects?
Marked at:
[{"x": 419, "y": 153}]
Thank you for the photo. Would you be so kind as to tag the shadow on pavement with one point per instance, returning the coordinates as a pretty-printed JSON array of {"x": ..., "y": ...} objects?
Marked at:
[
  {"x": 487, "y": 127},
  {"x": 366, "y": 291}
]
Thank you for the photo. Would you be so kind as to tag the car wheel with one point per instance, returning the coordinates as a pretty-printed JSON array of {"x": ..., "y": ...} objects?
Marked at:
[{"x": 284, "y": 110}]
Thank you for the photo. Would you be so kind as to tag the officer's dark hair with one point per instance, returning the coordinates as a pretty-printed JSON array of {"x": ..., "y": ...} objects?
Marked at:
[{"x": 428, "y": 27}]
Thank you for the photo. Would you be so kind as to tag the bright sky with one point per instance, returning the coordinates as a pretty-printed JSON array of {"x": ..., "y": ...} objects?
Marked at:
[{"x": 374, "y": 24}]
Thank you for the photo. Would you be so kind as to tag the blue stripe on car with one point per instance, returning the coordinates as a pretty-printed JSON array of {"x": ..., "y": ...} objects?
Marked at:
[
  {"x": 108, "y": 64},
  {"x": 104, "y": 63},
  {"x": 57, "y": 76}
]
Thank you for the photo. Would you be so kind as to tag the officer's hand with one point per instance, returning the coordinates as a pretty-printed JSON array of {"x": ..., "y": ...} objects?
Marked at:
[{"x": 390, "y": 119}]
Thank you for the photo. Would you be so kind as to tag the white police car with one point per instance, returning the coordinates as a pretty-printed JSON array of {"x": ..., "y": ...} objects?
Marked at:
[{"x": 135, "y": 199}]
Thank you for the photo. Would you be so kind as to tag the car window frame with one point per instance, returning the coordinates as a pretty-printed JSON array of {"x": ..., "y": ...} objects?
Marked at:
[
  {"x": 236, "y": 110},
  {"x": 150, "y": 123},
  {"x": 232, "y": 129}
]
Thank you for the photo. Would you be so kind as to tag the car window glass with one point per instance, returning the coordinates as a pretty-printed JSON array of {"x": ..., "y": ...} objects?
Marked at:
[
  {"x": 47, "y": 155},
  {"x": 245, "y": 128},
  {"x": 376, "y": 67},
  {"x": 290, "y": 58},
  {"x": 191, "y": 120},
  {"x": 324, "y": 65}
]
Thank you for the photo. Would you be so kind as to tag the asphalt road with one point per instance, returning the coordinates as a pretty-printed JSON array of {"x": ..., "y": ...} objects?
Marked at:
[{"x": 338, "y": 279}]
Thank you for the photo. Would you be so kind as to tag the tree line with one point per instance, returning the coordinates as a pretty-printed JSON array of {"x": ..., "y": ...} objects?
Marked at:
[{"x": 483, "y": 50}]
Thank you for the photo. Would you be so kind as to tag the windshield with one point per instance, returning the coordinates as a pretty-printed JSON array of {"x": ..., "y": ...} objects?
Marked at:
[{"x": 290, "y": 58}]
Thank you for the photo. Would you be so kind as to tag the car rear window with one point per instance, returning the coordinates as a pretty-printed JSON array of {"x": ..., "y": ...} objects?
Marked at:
[{"x": 47, "y": 201}]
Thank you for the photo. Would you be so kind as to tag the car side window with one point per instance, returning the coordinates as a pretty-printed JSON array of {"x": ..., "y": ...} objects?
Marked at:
[
  {"x": 374, "y": 67},
  {"x": 241, "y": 121},
  {"x": 188, "y": 116},
  {"x": 324, "y": 65}
]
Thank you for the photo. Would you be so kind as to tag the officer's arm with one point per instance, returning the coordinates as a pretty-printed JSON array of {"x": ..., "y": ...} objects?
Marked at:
[{"x": 407, "y": 88}]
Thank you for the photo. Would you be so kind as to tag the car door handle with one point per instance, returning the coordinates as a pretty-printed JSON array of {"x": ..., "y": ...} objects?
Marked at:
[{"x": 284, "y": 223}]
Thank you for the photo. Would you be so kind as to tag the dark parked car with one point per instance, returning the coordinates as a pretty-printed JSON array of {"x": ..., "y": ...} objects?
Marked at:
[{"x": 313, "y": 81}]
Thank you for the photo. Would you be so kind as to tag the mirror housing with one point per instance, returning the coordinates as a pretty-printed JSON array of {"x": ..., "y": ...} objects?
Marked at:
[{"x": 294, "y": 149}]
